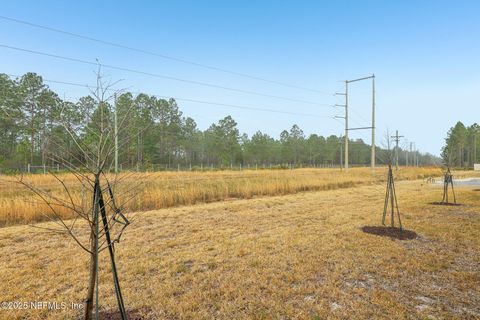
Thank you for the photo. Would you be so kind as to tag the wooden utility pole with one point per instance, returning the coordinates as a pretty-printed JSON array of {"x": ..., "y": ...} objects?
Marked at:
[
  {"x": 346, "y": 125},
  {"x": 372, "y": 160},
  {"x": 341, "y": 152},
  {"x": 116, "y": 132},
  {"x": 396, "y": 138},
  {"x": 411, "y": 154},
  {"x": 346, "y": 121},
  {"x": 347, "y": 129},
  {"x": 475, "y": 145},
  {"x": 415, "y": 155},
  {"x": 406, "y": 154}
]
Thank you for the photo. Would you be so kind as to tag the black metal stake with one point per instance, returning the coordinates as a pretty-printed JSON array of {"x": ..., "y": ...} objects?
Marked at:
[
  {"x": 116, "y": 282},
  {"x": 99, "y": 208}
]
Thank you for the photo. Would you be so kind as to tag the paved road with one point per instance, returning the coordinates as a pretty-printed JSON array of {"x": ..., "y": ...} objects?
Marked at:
[{"x": 474, "y": 182}]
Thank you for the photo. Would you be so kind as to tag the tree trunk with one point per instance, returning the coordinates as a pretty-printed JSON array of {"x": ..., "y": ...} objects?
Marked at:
[
  {"x": 93, "y": 254},
  {"x": 91, "y": 282},
  {"x": 32, "y": 148}
]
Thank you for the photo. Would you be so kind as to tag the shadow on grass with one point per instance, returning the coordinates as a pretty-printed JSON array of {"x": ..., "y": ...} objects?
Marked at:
[
  {"x": 133, "y": 314},
  {"x": 394, "y": 233},
  {"x": 439, "y": 203}
]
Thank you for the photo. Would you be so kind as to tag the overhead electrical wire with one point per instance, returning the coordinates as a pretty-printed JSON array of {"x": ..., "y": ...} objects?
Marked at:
[
  {"x": 163, "y": 56},
  {"x": 156, "y": 75},
  {"x": 191, "y": 100},
  {"x": 172, "y": 58}
]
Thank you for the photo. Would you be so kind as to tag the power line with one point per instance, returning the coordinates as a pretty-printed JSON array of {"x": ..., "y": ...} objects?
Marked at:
[
  {"x": 158, "y": 75},
  {"x": 163, "y": 56},
  {"x": 192, "y": 100},
  {"x": 364, "y": 138},
  {"x": 358, "y": 114}
]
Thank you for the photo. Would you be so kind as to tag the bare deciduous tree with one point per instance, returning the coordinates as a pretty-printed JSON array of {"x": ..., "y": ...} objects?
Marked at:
[{"x": 91, "y": 163}]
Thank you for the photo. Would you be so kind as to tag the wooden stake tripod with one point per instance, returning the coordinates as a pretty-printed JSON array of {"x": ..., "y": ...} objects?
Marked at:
[
  {"x": 448, "y": 180},
  {"x": 391, "y": 197}
]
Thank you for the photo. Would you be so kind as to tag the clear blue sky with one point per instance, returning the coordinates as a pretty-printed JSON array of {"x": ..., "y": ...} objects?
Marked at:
[{"x": 425, "y": 55}]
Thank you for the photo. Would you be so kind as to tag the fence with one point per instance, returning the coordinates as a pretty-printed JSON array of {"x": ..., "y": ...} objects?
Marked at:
[
  {"x": 36, "y": 169},
  {"x": 217, "y": 167},
  {"x": 43, "y": 168}
]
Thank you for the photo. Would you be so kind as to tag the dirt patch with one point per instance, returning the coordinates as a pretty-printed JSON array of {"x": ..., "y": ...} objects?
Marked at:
[
  {"x": 439, "y": 203},
  {"x": 394, "y": 233},
  {"x": 134, "y": 314}
]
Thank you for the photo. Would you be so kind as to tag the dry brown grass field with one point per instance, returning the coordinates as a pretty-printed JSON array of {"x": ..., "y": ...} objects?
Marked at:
[
  {"x": 296, "y": 256},
  {"x": 168, "y": 189}
]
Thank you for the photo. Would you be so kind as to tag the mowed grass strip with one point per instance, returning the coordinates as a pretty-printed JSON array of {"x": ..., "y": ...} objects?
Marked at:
[
  {"x": 168, "y": 189},
  {"x": 301, "y": 256}
]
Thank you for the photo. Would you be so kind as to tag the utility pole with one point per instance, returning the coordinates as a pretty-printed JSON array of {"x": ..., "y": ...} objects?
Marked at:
[
  {"x": 414, "y": 155},
  {"x": 346, "y": 120},
  {"x": 475, "y": 146},
  {"x": 417, "y": 160},
  {"x": 372, "y": 160},
  {"x": 347, "y": 129},
  {"x": 396, "y": 138},
  {"x": 406, "y": 154},
  {"x": 411, "y": 144},
  {"x": 417, "y": 156},
  {"x": 341, "y": 152},
  {"x": 474, "y": 157},
  {"x": 346, "y": 125},
  {"x": 116, "y": 132}
]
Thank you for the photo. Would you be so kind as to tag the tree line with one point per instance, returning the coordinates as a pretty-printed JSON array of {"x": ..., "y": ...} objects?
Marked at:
[
  {"x": 462, "y": 145},
  {"x": 154, "y": 132}
]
